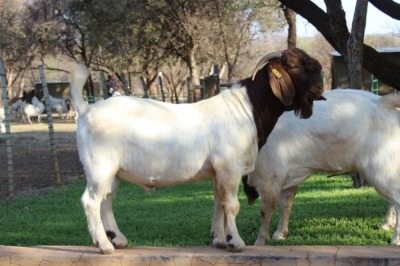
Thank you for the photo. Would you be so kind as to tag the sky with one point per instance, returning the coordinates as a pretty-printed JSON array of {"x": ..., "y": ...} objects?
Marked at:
[{"x": 377, "y": 21}]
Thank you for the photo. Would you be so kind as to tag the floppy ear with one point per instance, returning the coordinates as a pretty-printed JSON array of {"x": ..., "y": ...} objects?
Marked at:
[{"x": 281, "y": 83}]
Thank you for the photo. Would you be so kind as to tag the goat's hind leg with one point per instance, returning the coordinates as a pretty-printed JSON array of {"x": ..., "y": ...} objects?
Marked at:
[
  {"x": 91, "y": 201},
  {"x": 396, "y": 234},
  {"x": 269, "y": 197},
  {"x": 285, "y": 208},
  {"x": 109, "y": 223}
]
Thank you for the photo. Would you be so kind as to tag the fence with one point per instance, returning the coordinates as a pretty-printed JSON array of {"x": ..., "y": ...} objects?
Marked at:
[
  {"x": 36, "y": 156},
  {"x": 42, "y": 156}
]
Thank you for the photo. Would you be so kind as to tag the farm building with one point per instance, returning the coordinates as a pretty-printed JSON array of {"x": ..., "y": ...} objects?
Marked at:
[
  {"x": 61, "y": 89},
  {"x": 340, "y": 74}
]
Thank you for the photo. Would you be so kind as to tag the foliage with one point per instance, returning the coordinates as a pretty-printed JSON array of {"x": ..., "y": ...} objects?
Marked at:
[
  {"x": 327, "y": 211},
  {"x": 18, "y": 46}
]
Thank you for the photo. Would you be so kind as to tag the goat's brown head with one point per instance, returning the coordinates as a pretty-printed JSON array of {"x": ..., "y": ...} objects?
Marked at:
[{"x": 295, "y": 79}]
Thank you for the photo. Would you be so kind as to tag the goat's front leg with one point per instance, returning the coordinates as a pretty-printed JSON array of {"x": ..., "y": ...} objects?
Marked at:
[
  {"x": 218, "y": 223},
  {"x": 285, "y": 208},
  {"x": 227, "y": 188},
  {"x": 109, "y": 223}
]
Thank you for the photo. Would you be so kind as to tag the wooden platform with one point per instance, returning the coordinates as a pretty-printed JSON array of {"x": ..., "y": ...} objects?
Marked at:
[{"x": 196, "y": 256}]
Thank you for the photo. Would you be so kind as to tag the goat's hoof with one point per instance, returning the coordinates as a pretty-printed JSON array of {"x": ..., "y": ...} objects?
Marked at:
[
  {"x": 107, "y": 249},
  {"x": 395, "y": 241},
  {"x": 120, "y": 242},
  {"x": 220, "y": 244},
  {"x": 386, "y": 226},
  {"x": 236, "y": 247},
  {"x": 233, "y": 248},
  {"x": 279, "y": 236},
  {"x": 260, "y": 242}
]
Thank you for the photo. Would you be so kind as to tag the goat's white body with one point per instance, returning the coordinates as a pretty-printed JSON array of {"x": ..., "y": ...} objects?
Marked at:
[
  {"x": 350, "y": 132},
  {"x": 34, "y": 109},
  {"x": 153, "y": 144},
  {"x": 172, "y": 144}
]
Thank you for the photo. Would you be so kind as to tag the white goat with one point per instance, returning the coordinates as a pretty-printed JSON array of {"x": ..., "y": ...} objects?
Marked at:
[
  {"x": 61, "y": 106},
  {"x": 353, "y": 131},
  {"x": 153, "y": 144},
  {"x": 34, "y": 109}
]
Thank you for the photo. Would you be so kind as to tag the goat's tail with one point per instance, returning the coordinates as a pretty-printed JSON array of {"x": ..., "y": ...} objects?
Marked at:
[{"x": 79, "y": 77}]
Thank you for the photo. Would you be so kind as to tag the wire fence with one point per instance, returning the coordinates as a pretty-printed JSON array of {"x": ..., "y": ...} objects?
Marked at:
[{"x": 42, "y": 156}]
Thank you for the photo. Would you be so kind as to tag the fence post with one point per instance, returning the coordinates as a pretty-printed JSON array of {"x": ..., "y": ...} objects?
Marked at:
[
  {"x": 145, "y": 89},
  {"x": 217, "y": 81},
  {"x": 190, "y": 90},
  {"x": 161, "y": 86},
  {"x": 202, "y": 89},
  {"x": 103, "y": 85},
  {"x": 10, "y": 176},
  {"x": 51, "y": 128},
  {"x": 124, "y": 84}
]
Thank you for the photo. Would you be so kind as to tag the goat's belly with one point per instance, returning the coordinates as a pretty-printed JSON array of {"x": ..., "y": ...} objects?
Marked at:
[{"x": 172, "y": 178}]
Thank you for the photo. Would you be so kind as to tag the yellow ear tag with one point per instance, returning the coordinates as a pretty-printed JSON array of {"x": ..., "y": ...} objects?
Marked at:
[{"x": 276, "y": 73}]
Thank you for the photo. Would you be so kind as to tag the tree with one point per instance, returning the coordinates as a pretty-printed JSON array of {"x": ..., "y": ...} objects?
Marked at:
[
  {"x": 337, "y": 35},
  {"x": 290, "y": 16},
  {"x": 18, "y": 45},
  {"x": 355, "y": 45},
  {"x": 240, "y": 23},
  {"x": 389, "y": 7}
]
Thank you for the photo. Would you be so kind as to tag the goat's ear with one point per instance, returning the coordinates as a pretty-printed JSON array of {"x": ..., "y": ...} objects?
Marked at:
[{"x": 281, "y": 83}]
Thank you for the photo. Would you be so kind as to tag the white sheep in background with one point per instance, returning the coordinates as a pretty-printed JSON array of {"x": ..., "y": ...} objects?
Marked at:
[
  {"x": 353, "y": 131},
  {"x": 34, "y": 109},
  {"x": 152, "y": 143},
  {"x": 61, "y": 106}
]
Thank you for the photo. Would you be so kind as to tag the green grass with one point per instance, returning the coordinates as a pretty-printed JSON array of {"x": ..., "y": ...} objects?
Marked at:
[{"x": 327, "y": 211}]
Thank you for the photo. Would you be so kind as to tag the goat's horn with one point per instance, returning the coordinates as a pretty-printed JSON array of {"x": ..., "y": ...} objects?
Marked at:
[{"x": 263, "y": 61}]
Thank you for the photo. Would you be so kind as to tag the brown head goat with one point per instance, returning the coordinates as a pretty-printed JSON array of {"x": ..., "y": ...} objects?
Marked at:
[
  {"x": 153, "y": 144},
  {"x": 299, "y": 77}
]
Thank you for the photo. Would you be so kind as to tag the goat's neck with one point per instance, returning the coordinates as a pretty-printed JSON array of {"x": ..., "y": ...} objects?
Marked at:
[{"x": 266, "y": 110}]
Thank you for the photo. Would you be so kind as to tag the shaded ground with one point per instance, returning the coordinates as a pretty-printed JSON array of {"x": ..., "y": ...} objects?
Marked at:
[{"x": 32, "y": 161}]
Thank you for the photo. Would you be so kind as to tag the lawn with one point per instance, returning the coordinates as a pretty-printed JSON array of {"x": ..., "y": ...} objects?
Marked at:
[{"x": 327, "y": 211}]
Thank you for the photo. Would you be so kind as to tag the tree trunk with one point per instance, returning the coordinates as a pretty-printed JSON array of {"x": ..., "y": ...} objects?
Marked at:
[
  {"x": 355, "y": 45},
  {"x": 389, "y": 7},
  {"x": 151, "y": 78},
  {"x": 290, "y": 16},
  {"x": 374, "y": 62},
  {"x": 192, "y": 64}
]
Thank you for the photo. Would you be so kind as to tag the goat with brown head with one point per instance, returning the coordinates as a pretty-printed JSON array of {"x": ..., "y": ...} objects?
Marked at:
[{"x": 282, "y": 81}]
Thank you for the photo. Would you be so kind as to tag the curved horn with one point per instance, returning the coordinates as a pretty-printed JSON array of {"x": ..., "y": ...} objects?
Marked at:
[{"x": 263, "y": 61}]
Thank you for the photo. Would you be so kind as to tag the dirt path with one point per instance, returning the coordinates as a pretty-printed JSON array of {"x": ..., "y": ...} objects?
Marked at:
[{"x": 32, "y": 163}]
